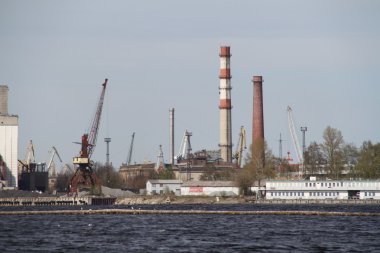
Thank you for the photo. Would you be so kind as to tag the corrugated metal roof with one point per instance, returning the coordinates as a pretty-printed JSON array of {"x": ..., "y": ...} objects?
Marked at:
[{"x": 165, "y": 181}]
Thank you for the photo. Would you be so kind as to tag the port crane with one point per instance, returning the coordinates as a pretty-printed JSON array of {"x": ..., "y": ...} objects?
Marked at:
[
  {"x": 294, "y": 136},
  {"x": 242, "y": 145},
  {"x": 129, "y": 157},
  {"x": 84, "y": 176},
  {"x": 49, "y": 166},
  {"x": 160, "y": 164},
  {"x": 185, "y": 148}
]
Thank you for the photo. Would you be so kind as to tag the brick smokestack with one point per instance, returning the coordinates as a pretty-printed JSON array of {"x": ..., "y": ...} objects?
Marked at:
[
  {"x": 225, "y": 141},
  {"x": 258, "y": 119}
]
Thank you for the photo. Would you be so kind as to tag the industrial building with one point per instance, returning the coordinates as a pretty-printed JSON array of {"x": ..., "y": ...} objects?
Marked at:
[
  {"x": 8, "y": 141},
  {"x": 154, "y": 187}
]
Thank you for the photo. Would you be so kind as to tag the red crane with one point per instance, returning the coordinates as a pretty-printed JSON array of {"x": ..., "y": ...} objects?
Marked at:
[{"x": 84, "y": 176}]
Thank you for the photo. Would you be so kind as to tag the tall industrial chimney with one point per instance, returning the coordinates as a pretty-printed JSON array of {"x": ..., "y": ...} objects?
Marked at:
[
  {"x": 258, "y": 119},
  {"x": 4, "y": 99},
  {"x": 171, "y": 136},
  {"x": 225, "y": 143}
]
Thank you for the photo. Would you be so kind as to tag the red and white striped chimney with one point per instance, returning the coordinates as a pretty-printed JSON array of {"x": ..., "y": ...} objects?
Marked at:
[{"x": 225, "y": 141}]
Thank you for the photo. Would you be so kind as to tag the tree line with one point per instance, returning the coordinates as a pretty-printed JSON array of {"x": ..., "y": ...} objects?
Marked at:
[{"x": 331, "y": 159}]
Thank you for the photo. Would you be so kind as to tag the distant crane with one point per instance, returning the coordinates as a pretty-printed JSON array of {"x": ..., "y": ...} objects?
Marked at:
[
  {"x": 160, "y": 164},
  {"x": 185, "y": 148},
  {"x": 84, "y": 176},
  {"x": 129, "y": 157},
  {"x": 49, "y": 166},
  {"x": 242, "y": 145},
  {"x": 29, "y": 158},
  {"x": 294, "y": 136}
]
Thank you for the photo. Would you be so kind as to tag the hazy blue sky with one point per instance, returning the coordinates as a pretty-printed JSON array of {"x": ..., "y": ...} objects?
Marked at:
[{"x": 320, "y": 57}]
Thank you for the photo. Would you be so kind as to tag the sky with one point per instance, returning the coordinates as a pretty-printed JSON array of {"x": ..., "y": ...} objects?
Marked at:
[{"x": 322, "y": 58}]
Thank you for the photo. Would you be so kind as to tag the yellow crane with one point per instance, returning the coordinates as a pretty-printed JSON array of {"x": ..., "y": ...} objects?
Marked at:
[{"x": 242, "y": 145}]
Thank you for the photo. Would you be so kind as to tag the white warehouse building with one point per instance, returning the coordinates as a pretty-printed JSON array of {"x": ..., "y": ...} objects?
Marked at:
[
  {"x": 8, "y": 140},
  {"x": 328, "y": 189}
]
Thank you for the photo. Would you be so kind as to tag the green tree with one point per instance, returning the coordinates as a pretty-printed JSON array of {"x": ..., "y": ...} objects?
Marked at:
[
  {"x": 166, "y": 173},
  {"x": 314, "y": 159},
  {"x": 63, "y": 180},
  {"x": 333, "y": 150},
  {"x": 108, "y": 176},
  {"x": 368, "y": 166},
  {"x": 256, "y": 168},
  {"x": 211, "y": 173}
]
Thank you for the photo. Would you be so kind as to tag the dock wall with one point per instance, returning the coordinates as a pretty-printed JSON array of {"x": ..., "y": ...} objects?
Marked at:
[{"x": 55, "y": 201}]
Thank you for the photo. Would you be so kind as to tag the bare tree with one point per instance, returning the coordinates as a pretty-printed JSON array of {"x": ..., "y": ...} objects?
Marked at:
[{"x": 333, "y": 150}]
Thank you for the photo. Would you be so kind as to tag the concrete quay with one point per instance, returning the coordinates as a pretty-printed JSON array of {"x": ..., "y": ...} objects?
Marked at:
[{"x": 55, "y": 201}]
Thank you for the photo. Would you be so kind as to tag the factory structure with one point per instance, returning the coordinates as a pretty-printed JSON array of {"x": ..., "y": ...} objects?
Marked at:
[
  {"x": 186, "y": 164},
  {"x": 9, "y": 142},
  {"x": 189, "y": 165}
]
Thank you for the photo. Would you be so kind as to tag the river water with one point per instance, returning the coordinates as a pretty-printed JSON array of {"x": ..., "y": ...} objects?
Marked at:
[{"x": 193, "y": 233}]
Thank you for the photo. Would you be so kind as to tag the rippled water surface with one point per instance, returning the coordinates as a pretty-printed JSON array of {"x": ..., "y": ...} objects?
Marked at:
[{"x": 193, "y": 233}]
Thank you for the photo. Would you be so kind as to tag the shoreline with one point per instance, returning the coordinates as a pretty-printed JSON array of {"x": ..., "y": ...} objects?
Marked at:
[
  {"x": 173, "y": 200},
  {"x": 182, "y": 212}
]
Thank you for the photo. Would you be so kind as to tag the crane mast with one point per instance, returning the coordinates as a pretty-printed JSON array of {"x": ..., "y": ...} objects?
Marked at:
[
  {"x": 240, "y": 147},
  {"x": 84, "y": 176},
  {"x": 185, "y": 148},
  {"x": 129, "y": 158},
  {"x": 294, "y": 135}
]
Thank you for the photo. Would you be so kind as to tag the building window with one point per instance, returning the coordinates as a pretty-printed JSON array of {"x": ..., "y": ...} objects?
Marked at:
[
  {"x": 161, "y": 191},
  {"x": 333, "y": 184},
  {"x": 365, "y": 194},
  {"x": 161, "y": 185},
  {"x": 329, "y": 184},
  {"x": 271, "y": 194},
  {"x": 302, "y": 194},
  {"x": 314, "y": 184},
  {"x": 153, "y": 185},
  {"x": 306, "y": 184},
  {"x": 322, "y": 184},
  {"x": 154, "y": 192}
]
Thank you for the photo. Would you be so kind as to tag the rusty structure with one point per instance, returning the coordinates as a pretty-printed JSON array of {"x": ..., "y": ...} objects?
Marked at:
[
  {"x": 258, "y": 119},
  {"x": 225, "y": 140},
  {"x": 84, "y": 176}
]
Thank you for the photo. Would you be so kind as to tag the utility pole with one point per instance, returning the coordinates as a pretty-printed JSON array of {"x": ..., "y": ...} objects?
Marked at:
[
  {"x": 108, "y": 140},
  {"x": 303, "y": 129}
]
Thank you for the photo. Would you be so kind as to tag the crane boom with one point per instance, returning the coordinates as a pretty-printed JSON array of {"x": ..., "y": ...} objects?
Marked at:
[
  {"x": 95, "y": 123},
  {"x": 55, "y": 152},
  {"x": 294, "y": 135},
  {"x": 129, "y": 158}
]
